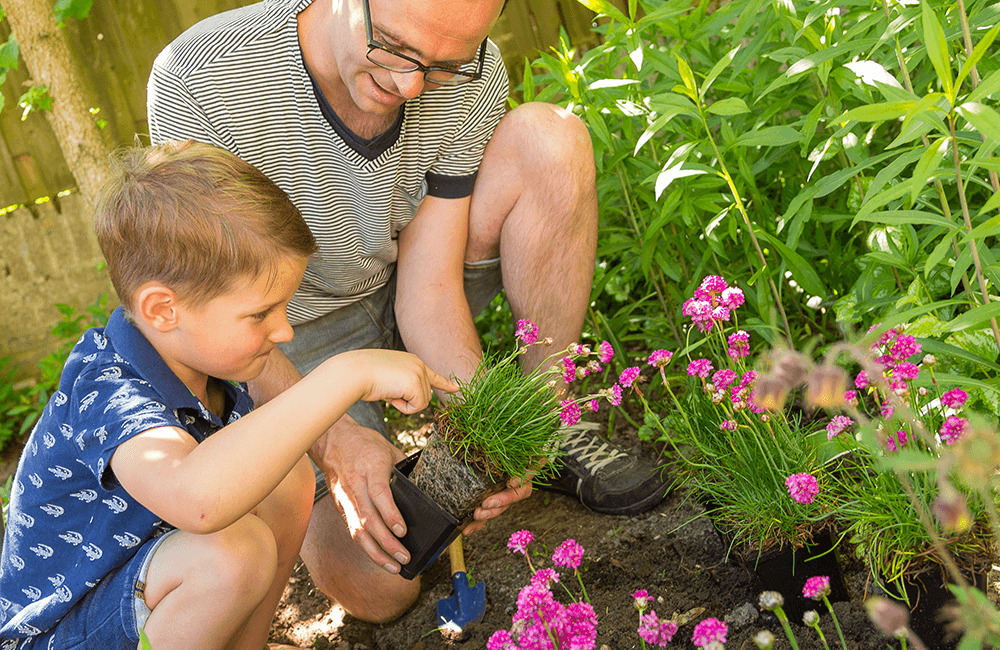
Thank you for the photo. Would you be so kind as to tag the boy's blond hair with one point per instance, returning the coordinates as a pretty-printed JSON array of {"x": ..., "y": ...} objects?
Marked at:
[{"x": 195, "y": 218}]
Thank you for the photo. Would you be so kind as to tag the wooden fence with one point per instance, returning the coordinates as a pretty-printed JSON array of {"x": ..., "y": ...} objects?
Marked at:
[{"x": 47, "y": 251}]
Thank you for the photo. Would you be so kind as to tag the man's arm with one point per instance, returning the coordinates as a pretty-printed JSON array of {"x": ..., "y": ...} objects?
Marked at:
[{"x": 432, "y": 312}]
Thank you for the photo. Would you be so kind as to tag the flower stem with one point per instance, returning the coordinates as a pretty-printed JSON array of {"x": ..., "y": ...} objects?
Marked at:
[
  {"x": 783, "y": 619},
  {"x": 579, "y": 579},
  {"x": 836, "y": 623}
]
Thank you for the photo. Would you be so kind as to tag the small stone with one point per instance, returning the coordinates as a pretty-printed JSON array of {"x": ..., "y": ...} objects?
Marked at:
[{"x": 742, "y": 616}]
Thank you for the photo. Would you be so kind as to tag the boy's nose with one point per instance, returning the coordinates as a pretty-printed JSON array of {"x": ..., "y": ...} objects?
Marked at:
[
  {"x": 283, "y": 332},
  {"x": 409, "y": 84}
]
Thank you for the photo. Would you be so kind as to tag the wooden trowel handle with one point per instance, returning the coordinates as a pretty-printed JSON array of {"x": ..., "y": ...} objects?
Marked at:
[{"x": 456, "y": 557}]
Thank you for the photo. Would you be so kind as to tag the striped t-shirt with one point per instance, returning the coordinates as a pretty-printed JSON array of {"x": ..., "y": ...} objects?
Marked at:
[{"x": 238, "y": 80}]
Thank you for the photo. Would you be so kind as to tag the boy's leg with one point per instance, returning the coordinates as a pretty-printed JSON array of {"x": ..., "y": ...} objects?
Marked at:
[{"x": 221, "y": 590}]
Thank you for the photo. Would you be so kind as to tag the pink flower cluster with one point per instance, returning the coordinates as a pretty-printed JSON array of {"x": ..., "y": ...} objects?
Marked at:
[
  {"x": 712, "y": 303},
  {"x": 802, "y": 487},
  {"x": 955, "y": 398},
  {"x": 541, "y": 622},
  {"x": 896, "y": 440},
  {"x": 709, "y": 630},
  {"x": 527, "y": 332},
  {"x": 837, "y": 425},
  {"x": 817, "y": 587},
  {"x": 654, "y": 631},
  {"x": 952, "y": 429},
  {"x": 892, "y": 350},
  {"x": 545, "y": 623}
]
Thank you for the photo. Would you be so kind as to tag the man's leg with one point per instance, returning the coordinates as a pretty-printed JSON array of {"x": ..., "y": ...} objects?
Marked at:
[
  {"x": 337, "y": 565},
  {"x": 535, "y": 206}
]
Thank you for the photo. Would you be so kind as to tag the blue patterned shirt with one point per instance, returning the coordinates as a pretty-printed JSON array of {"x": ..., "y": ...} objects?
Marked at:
[{"x": 70, "y": 522}]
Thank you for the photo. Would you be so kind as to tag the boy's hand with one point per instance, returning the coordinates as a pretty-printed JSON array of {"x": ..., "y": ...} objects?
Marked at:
[
  {"x": 495, "y": 505},
  {"x": 401, "y": 379}
]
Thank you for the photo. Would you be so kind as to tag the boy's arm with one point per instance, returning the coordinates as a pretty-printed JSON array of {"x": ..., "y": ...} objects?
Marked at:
[
  {"x": 202, "y": 488},
  {"x": 355, "y": 460}
]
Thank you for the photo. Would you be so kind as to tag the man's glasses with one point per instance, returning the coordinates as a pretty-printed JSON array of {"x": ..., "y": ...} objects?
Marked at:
[{"x": 385, "y": 57}]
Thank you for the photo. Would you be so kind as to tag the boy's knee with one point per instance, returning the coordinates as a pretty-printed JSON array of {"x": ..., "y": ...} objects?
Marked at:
[
  {"x": 385, "y": 606},
  {"x": 245, "y": 556}
]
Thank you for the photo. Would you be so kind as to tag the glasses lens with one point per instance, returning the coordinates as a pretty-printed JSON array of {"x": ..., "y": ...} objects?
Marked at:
[{"x": 390, "y": 61}]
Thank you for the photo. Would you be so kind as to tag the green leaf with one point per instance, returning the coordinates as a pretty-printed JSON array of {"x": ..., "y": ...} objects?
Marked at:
[
  {"x": 876, "y": 112},
  {"x": 937, "y": 48},
  {"x": 927, "y": 164},
  {"x": 975, "y": 316},
  {"x": 600, "y": 129},
  {"x": 940, "y": 250},
  {"x": 940, "y": 349},
  {"x": 985, "y": 119},
  {"x": 8, "y": 53},
  {"x": 717, "y": 70},
  {"x": 991, "y": 205},
  {"x": 729, "y": 106},
  {"x": 687, "y": 77},
  {"x": 669, "y": 175},
  {"x": 144, "y": 643},
  {"x": 528, "y": 87},
  {"x": 982, "y": 47},
  {"x": 606, "y": 8},
  {"x": 612, "y": 83},
  {"x": 65, "y": 9},
  {"x": 903, "y": 217},
  {"x": 801, "y": 270},
  {"x": 986, "y": 87},
  {"x": 771, "y": 136}
]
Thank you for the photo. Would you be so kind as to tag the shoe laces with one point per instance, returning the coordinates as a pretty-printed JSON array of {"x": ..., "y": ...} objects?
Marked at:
[{"x": 586, "y": 447}]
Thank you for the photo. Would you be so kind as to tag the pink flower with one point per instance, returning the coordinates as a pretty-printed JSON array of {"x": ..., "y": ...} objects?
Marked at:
[
  {"x": 642, "y": 599},
  {"x": 711, "y": 629},
  {"x": 739, "y": 344},
  {"x": 952, "y": 429},
  {"x": 837, "y": 424},
  {"x": 569, "y": 413},
  {"x": 714, "y": 284},
  {"x": 954, "y": 398},
  {"x": 728, "y": 425},
  {"x": 720, "y": 313},
  {"x": 569, "y": 370},
  {"x": 660, "y": 358},
  {"x": 732, "y": 297},
  {"x": 722, "y": 378},
  {"x": 593, "y": 405},
  {"x": 545, "y": 577},
  {"x": 526, "y": 331},
  {"x": 699, "y": 368},
  {"x": 802, "y": 487},
  {"x": 905, "y": 347},
  {"x": 887, "y": 411},
  {"x": 654, "y": 631},
  {"x": 501, "y": 641},
  {"x": 861, "y": 381},
  {"x": 816, "y": 587},
  {"x": 519, "y": 541},
  {"x": 896, "y": 440},
  {"x": 628, "y": 376},
  {"x": 615, "y": 395},
  {"x": 605, "y": 352},
  {"x": 568, "y": 554},
  {"x": 905, "y": 371},
  {"x": 851, "y": 397}
]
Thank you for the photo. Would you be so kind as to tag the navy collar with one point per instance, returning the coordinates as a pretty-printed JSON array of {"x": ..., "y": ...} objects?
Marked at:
[{"x": 136, "y": 349}]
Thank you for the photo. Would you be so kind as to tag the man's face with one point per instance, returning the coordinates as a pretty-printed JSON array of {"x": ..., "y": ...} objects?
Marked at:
[{"x": 444, "y": 33}]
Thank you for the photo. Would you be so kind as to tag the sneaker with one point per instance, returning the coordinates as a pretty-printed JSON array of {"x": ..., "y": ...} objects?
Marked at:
[{"x": 603, "y": 477}]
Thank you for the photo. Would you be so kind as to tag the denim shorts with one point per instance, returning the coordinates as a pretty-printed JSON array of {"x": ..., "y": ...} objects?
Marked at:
[
  {"x": 371, "y": 323},
  {"x": 110, "y": 615}
]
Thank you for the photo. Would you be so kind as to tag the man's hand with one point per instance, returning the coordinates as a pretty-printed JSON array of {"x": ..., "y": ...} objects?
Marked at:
[
  {"x": 357, "y": 463},
  {"x": 495, "y": 505}
]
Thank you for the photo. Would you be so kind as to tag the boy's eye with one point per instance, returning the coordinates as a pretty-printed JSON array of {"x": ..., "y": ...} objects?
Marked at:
[{"x": 261, "y": 315}]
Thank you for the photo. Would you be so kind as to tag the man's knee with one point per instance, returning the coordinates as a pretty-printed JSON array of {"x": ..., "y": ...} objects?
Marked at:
[{"x": 552, "y": 142}]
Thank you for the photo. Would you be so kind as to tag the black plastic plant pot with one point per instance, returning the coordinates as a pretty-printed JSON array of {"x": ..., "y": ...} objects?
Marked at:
[
  {"x": 786, "y": 572},
  {"x": 928, "y": 593},
  {"x": 429, "y": 529}
]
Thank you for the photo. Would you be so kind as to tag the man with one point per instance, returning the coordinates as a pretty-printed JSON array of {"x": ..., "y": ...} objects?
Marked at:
[{"x": 385, "y": 122}]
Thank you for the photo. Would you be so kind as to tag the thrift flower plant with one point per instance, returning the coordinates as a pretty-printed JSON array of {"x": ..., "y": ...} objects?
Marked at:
[{"x": 734, "y": 454}]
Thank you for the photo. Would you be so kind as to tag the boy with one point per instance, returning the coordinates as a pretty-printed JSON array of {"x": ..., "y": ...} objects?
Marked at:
[{"x": 123, "y": 510}]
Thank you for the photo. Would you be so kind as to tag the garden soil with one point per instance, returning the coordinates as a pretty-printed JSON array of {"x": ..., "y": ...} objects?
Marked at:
[{"x": 672, "y": 551}]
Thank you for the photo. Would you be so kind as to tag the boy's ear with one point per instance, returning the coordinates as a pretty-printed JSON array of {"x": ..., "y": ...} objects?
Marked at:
[{"x": 157, "y": 306}]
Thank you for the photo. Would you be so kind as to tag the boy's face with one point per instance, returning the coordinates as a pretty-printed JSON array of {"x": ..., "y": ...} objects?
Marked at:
[{"x": 232, "y": 336}]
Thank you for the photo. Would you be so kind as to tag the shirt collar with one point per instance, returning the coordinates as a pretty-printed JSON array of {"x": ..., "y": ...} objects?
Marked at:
[{"x": 136, "y": 349}]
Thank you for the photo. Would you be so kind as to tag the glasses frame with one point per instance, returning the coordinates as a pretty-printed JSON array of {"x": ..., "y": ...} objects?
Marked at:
[{"x": 458, "y": 78}]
